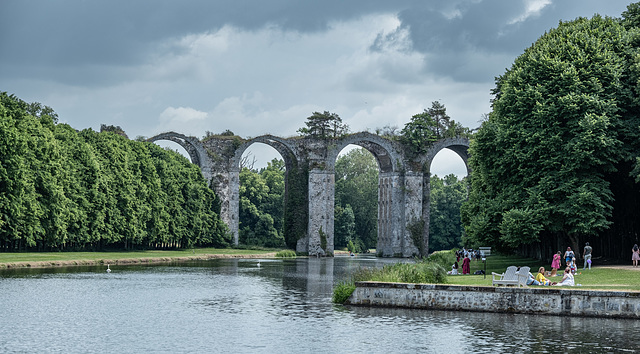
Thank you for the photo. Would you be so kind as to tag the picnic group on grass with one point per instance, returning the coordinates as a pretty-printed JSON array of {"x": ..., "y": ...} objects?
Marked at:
[
  {"x": 541, "y": 278},
  {"x": 467, "y": 255}
]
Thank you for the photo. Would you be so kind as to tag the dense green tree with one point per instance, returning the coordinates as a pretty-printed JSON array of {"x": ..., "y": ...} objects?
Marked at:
[
  {"x": 419, "y": 133},
  {"x": 356, "y": 176},
  {"x": 445, "y": 226},
  {"x": 262, "y": 205},
  {"x": 564, "y": 125},
  {"x": 63, "y": 189},
  {"x": 324, "y": 125},
  {"x": 428, "y": 127},
  {"x": 344, "y": 227}
]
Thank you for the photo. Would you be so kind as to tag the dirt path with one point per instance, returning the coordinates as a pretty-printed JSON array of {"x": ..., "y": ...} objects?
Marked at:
[{"x": 627, "y": 267}]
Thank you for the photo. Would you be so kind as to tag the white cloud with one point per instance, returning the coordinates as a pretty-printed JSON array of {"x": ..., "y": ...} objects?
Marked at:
[
  {"x": 175, "y": 119},
  {"x": 532, "y": 9}
]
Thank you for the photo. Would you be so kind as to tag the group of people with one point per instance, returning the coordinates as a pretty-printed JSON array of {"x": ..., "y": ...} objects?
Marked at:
[
  {"x": 570, "y": 260},
  {"x": 540, "y": 279},
  {"x": 466, "y": 267},
  {"x": 467, "y": 255}
]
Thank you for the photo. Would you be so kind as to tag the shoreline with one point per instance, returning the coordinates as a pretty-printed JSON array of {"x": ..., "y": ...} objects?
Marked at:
[
  {"x": 122, "y": 261},
  {"x": 527, "y": 300}
]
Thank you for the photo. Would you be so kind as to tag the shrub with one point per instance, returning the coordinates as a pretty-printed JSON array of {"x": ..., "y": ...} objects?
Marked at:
[
  {"x": 286, "y": 254},
  {"x": 343, "y": 291},
  {"x": 420, "y": 272},
  {"x": 443, "y": 258}
]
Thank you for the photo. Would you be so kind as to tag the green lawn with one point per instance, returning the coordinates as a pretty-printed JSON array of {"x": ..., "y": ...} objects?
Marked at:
[
  {"x": 99, "y": 256},
  {"x": 601, "y": 278}
]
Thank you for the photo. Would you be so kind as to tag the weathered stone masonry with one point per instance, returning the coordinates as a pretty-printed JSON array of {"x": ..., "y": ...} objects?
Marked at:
[
  {"x": 532, "y": 300},
  {"x": 403, "y": 195}
]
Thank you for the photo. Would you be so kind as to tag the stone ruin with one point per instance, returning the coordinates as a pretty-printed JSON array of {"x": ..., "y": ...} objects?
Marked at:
[{"x": 403, "y": 184}]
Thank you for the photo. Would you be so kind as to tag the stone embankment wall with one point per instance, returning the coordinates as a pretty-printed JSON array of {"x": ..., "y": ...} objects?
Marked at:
[{"x": 539, "y": 300}]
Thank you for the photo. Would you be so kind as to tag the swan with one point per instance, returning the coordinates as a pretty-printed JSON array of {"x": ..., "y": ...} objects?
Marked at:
[
  {"x": 108, "y": 270},
  {"x": 258, "y": 264}
]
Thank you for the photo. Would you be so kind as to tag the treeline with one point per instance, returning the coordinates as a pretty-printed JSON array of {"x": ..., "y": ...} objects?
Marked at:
[{"x": 61, "y": 189}]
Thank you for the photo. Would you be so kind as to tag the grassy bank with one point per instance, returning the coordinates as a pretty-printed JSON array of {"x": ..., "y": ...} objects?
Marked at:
[
  {"x": 598, "y": 278},
  {"x": 52, "y": 259}
]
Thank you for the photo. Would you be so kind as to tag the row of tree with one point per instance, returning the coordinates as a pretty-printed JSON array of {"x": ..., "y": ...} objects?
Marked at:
[
  {"x": 557, "y": 162},
  {"x": 64, "y": 189}
]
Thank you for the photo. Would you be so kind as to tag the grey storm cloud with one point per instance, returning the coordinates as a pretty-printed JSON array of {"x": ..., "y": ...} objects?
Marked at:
[
  {"x": 256, "y": 66},
  {"x": 80, "y": 38}
]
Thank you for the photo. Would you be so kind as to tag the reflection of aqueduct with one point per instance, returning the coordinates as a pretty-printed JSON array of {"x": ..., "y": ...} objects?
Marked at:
[{"x": 403, "y": 194}]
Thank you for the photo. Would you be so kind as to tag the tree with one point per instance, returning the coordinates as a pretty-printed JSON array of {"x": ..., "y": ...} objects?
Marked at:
[
  {"x": 62, "y": 189},
  {"x": 544, "y": 160},
  {"x": 447, "y": 196},
  {"x": 324, "y": 126},
  {"x": 262, "y": 205},
  {"x": 438, "y": 114},
  {"x": 356, "y": 175},
  {"x": 344, "y": 229},
  {"x": 419, "y": 133},
  {"x": 430, "y": 126}
]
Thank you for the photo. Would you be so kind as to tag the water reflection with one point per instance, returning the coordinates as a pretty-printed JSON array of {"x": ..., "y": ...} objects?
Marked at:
[{"x": 282, "y": 306}]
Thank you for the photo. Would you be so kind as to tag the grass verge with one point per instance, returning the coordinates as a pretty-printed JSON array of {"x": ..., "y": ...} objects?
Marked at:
[{"x": 49, "y": 259}]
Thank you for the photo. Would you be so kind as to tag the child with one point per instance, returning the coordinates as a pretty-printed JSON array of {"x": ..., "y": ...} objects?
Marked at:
[{"x": 572, "y": 265}]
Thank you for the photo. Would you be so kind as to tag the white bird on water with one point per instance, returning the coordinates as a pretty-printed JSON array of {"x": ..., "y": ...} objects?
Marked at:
[
  {"x": 258, "y": 264},
  {"x": 108, "y": 270}
]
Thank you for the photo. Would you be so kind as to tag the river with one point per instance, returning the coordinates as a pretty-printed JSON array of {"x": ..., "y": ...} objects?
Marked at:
[{"x": 281, "y": 306}]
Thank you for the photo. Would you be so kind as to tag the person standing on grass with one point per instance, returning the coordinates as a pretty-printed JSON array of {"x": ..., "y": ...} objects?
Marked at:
[
  {"x": 555, "y": 264},
  {"x": 635, "y": 255},
  {"x": 586, "y": 254},
  {"x": 568, "y": 256},
  {"x": 466, "y": 265}
]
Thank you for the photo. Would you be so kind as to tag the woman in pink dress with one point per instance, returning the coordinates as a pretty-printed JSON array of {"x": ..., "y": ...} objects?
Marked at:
[
  {"x": 635, "y": 255},
  {"x": 466, "y": 265},
  {"x": 555, "y": 265}
]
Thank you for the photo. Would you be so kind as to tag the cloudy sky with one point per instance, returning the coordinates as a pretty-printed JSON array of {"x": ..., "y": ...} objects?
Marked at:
[{"x": 257, "y": 66}]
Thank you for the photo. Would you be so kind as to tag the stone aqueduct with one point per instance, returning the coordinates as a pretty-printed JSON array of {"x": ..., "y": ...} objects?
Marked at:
[{"x": 403, "y": 185}]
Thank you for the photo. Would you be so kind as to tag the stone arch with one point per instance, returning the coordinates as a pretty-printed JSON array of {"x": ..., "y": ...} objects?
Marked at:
[
  {"x": 459, "y": 145},
  {"x": 188, "y": 143},
  {"x": 196, "y": 150},
  {"x": 389, "y": 157},
  {"x": 384, "y": 150},
  {"x": 284, "y": 148}
]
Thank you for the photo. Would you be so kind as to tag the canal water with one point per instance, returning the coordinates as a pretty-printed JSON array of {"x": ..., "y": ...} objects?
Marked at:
[{"x": 280, "y": 306}]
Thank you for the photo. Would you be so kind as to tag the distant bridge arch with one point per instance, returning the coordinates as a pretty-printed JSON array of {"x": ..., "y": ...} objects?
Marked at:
[
  {"x": 282, "y": 146},
  {"x": 459, "y": 145},
  {"x": 403, "y": 184},
  {"x": 385, "y": 151}
]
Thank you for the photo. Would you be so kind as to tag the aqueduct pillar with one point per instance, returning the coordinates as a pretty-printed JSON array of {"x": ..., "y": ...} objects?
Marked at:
[{"x": 403, "y": 194}]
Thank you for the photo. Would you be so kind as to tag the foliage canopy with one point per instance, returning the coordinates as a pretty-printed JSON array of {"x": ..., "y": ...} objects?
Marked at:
[
  {"x": 63, "y": 189},
  {"x": 561, "y": 137}
]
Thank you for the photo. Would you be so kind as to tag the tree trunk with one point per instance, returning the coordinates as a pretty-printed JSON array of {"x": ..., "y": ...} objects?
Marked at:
[{"x": 573, "y": 238}]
